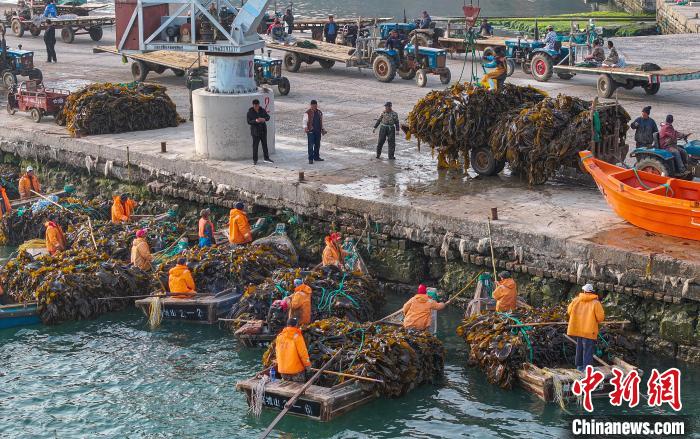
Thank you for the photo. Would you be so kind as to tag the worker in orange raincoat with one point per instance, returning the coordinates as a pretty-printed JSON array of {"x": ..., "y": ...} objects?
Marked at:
[
  {"x": 506, "y": 293},
  {"x": 122, "y": 208},
  {"x": 55, "y": 239},
  {"x": 28, "y": 183},
  {"x": 417, "y": 312},
  {"x": 238, "y": 226},
  {"x": 140, "y": 252},
  {"x": 291, "y": 354},
  {"x": 180, "y": 281},
  {"x": 300, "y": 302},
  {"x": 585, "y": 313},
  {"x": 5, "y": 206},
  {"x": 334, "y": 254}
]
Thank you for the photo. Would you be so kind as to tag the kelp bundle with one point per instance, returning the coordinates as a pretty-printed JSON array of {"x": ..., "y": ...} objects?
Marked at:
[
  {"x": 116, "y": 108},
  {"x": 538, "y": 139},
  {"x": 401, "y": 358},
  {"x": 116, "y": 239},
  {"x": 216, "y": 269},
  {"x": 461, "y": 117},
  {"x": 500, "y": 349},
  {"x": 68, "y": 286},
  {"x": 28, "y": 223},
  {"x": 334, "y": 294},
  {"x": 9, "y": 178}
]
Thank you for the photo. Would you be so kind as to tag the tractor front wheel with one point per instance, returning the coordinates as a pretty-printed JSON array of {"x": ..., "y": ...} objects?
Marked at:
[
  {"x": 653, "y": 166},
  {"x": 445, "y": 77},
  {"x": 565, "y": 76},
  {"x": 406, "y": 73},
  {"x": 526, "y": 66},
  {"x": 384, "y": 68},
  {"x": 292, "y": 62},
  {"x": 422, "y": 78},
  {"x": 542, "y": 67},
  {"x": 284, "y": 86},
  {"x": 17, "y": 28},
  {"x": 9, "y": 79},
  {"x": 36, "y": 115},
  {"x": 510, "y": 67}
]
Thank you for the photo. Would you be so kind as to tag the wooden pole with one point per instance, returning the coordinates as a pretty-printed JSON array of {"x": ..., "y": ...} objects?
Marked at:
[
  {"x": 296, "y": 396},
  {"x": 493, "y": 257},
  {"x": 143, "y": 296},
  {"x": 92, "y": 235},
  {"x": 348, "y": 375},
  {"x": 613, "y": 322}
]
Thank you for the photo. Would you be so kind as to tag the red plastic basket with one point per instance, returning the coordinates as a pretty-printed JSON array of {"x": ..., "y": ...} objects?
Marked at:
[{"x": 471, "y": 13}]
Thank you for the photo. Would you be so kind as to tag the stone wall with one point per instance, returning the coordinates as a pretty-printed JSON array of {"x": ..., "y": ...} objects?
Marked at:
[
  {"x": 636, "y": 6},
  {"x": 673, "y": 19}
]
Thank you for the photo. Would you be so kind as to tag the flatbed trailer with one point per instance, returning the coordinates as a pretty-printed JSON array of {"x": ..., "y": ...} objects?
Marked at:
[
  {"x": 326, "y": 54},
  {"x": 629, "y": 77},
  {"x": 459, "y": 45},
  {"x": 70, "y": 27},
  {"x": 315, "y": 25},
  {"x": 159, "y": 61}
]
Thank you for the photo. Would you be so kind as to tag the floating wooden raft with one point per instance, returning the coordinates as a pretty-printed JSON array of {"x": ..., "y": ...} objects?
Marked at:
[
  {"x": 205, "y": 309},
  {"x": 543, "y": 381},
  {"x": 318, "y": 403}
]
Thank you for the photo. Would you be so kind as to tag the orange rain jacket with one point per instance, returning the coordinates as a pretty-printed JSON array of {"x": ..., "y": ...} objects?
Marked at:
[
  {"x": 585, "y": 313},
  {"x": 291, "y": 353},
  {"x": 141, "y": 254},
  {"x": 506, "y": 295},
  {"x": 332, "y": 254},
  {"x": 121, "y": 212},
  {"x": 28, "y": 183},
  {"x": 55, "y": 239},
  {"x": 238, "y": 227},
  {"x": 5, "y": 203},
  {"x": 180, "y": 282},
  {"x": 417, "y": 312},
  {"x": 300, "y": 304}
]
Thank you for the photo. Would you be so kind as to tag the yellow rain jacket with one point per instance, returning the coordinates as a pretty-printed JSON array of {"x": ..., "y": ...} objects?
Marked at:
[
  {"x": 291, "y": 353},
  {"x": 585, "y": 313}
]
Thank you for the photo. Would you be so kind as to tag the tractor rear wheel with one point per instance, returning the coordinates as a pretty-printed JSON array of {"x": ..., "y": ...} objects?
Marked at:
[
  {"x": 488, "y": 51},
  {"x": 407, "y": 73},
  {"x": 17, "y": 28},
  {"x": 446, "y": 77},
  {"x": 34, "y": 30},
  {"x": 36, "y": 115},
  {"x": 510, "y": 67},
  {"x": 326, "y": 63},
  {"x": 422, "y": 78},
  {"x": 384, "y": 68},
  {"x": 139, "y": 70},
  {"x": 542, "y": 67},
  {"x": 606, "y": 86},
  {"x": 292, "y": 62},
  {"x": 653, "y": 166},
  {"x": 67, "y": 35},
  {"x": 652, "y": 89},
  {"x": 95, "y": 33},
  {"x": 483, "y": 162},
  {"x": 9, "y": 79},
  {"x": 565, "y": 76},
  {"x": 284, "y": 86},
  {"x": 526, "y": 66}
]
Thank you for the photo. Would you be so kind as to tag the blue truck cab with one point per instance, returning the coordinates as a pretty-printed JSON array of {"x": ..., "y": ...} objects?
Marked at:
[{"x": 17, "y": 62}]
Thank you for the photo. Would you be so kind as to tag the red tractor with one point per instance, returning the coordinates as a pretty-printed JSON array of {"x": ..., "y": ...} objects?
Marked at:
[{"x": 33, "y": 97}]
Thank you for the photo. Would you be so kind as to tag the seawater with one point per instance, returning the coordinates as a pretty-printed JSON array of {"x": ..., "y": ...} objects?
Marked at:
[{"x": 114, "y": 378}]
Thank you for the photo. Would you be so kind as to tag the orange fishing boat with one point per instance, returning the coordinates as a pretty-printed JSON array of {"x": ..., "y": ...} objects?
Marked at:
[{"x": 659, "y": 204}]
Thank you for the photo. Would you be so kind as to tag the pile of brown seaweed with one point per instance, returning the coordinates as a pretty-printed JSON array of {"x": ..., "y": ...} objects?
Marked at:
[
  {"x": 216, "y": 269},
  {"x": 538, "y": 139},
  {"x": 68, "y": 286},
  {"x": 334, "y": 294},
  {"x": 117, "y": 108},
  {"x": 461, "y": 117},
  {"x": 28, "y": 223},
  {"x": 401, "y": 358},
  {"x": 500, "y": 350}
]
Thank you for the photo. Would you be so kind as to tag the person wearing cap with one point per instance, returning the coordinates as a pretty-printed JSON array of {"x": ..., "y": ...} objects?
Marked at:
[
  {"x": 291, "y": 354},
  {"x": 597, "y": 56},
  {"x": 645, "y": 128},
  {"x": 551, "y": 39},
  {"x": 585, "y": 314},
  {"x": 330, "y": 30},
  {"x": 28, "y": 183},
  {"x": 300, "y": 302},
  {"x": 5, "y": 206},
  {"x": 506, "y": 293},
  {"x": 417, "y": 312},
  {"x": 206, "y": 229},
  {"x": 141, "y": 255},
  {"x": 257, "y": 118},
  {"x": 425, "y": 20},
  {"x": 313, "y": 127},
  {"x": 122, "y": 208},
  {"x": 333, "y": 254},
  {"x": 55, "y": 238},
  {"x": 388, "y": 123},
  {"x": 239, "y": 231},
  {"x": 668, "y": 140},
  {"x": 180, "y": 281}
]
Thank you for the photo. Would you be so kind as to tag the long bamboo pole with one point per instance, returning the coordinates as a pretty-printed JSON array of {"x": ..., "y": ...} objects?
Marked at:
[
  {"x": 92, "y": 235},
  {"x": 349, "y": 375},
  {"x": 612, "y": 322}
]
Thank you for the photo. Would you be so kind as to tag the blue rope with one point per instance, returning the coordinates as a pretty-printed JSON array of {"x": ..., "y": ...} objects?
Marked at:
[{"x": 523, "y": 331}]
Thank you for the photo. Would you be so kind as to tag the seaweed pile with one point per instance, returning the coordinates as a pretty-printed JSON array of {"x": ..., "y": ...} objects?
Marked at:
[
  {"x": 500, "y": 350},
  {"x": 459, "y": 118},
  {"x": 68, "y": 286},
  {"x": 9, "y": 178},
  {"x": 334, "y": 294},
  {"x": 216, "y": 269},
  {"x": 117, "y": 108},
  {"x": 27, "y": 223},
  {"x": 538, "y": 139},
  {"x": 116, "y": 239},
  {"x": 401, "y": 358}
]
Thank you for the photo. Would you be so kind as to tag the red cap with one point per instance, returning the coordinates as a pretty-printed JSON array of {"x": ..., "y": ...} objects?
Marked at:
[
  {"x": 335, "y": 236},
  {"x": 422, "y": 289}
]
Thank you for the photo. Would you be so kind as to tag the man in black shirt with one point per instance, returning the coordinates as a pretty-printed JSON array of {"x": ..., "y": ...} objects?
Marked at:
[
  {"x": 50, "y": 41},
  {"x": 257, "y": 118}
]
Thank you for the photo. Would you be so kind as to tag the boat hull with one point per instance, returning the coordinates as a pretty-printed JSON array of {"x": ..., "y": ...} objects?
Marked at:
[
  {"x": 203, "y": 310},
  {"x": 12, "y": 316}
]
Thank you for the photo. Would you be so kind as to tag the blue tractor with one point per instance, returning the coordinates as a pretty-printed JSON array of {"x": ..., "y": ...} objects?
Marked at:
[
  {"x": 17, "y": 62},
  {"x": 268, "y": 70},
  {"x": 417, "y": 62},
  {"x": 410, "y": 31},
  {"x": 543, "y": 60},
  {"x": 519, "y": 51},
  {"x": 660, "y": 161}
]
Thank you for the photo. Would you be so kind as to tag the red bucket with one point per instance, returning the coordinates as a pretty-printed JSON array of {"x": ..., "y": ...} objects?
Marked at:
[{"x": 471, "y": 13}]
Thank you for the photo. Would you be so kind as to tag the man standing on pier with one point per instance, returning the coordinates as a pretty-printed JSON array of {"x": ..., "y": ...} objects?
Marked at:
[
  {"x": 313, "y": 127},
  {"x": 257, "y": 118},
  {"x": 388, "y": 123},
  {"x": 291, "y": 353},
  {"x": 585, "y": 313},
  {"x": 289, "y": 20},
  {"x": 50, "y": 41},
  {"x": 28, "y": 183},
  {"x": 239, "y": 231},
  {"x": 330, "y": 30},
  {"x": 645, "y": 128}
]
